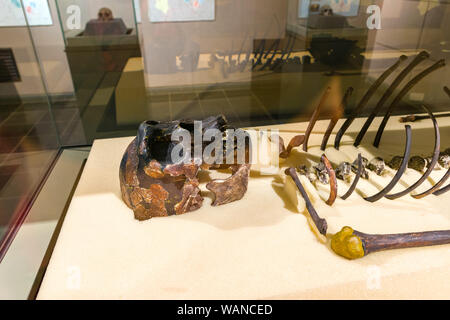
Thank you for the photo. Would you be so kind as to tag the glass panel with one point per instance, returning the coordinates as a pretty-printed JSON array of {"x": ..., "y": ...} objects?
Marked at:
[
  {"x": 28, "y": 138},
  {"x": 100, "y": 38},
  {"x": 258, "y": 62}
]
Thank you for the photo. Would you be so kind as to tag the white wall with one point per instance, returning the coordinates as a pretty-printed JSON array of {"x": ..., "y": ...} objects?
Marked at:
[
  {"x": 235, "y": 20},
  {"x": 50, "y": 49}
]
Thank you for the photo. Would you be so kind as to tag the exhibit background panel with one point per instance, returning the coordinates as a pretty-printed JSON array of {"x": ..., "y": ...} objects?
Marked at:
[
  {"x": 181, "y": 10},
  {"x": 236, "y": 26},
  {"x": 11, "y": 13},
  {"x": 49, "y": 44},
  {"x": 89, "y": 9}
]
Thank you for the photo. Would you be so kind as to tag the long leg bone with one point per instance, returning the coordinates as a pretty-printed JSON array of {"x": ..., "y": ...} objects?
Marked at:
[
  {"x": 373, "y": 88},
  {"x": 434, "y": 160},
  {"x": 400, "y": 171},
  {"x": 418, "y": 59},
  {"x": 352, "y": 244},
  {"x": 405, "y": 90},
  {"x": 314, "y": 117},
  {"x": 320, "y": 223},
  {"x": 337, "y": 115}
]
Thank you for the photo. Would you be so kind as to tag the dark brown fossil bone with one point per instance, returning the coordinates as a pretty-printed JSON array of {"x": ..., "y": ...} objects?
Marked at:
[
  {"x": 321, "y": 224},
  {"x": 356, "y": 180},
  {"x": 333, "y": 181},
  {"x": 295, "y": 142},
  {"x": 399, "y": 97},
  {"x": 400, "y": 171},
  {"x": 352, "y": 244},
  {"x": 442, "y": 191},
  {"x": 337, "y": 115},
  {"x": 417, "y": 163},
  {"x": 434, "y": 188},
  {"x": 364, "y": 173},
  {"x": 231, "y": 189},
  {"x": 365, "y": 99},
  {"x": 152, "y": 185},
  {"x": 314, "y": 117},
  {"x": 418, "y": 59},
  {"x": 434, "y": 160}
]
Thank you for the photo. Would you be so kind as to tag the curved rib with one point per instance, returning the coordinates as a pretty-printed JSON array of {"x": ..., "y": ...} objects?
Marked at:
[
  {"x": 442, "y": 191},
  {"x": 314, "y": 117},
  {"x": 435, "y": 188},
  {"x": 405, "y": 90},
  {"x": 418, "y": 59},
  {"x": 365, "y": 99},
  {"x": 356, "y": 180},
  {"x": 400, "y": 171},
  {"x": 337, "y": 115},
  {"x": 321, "y": 224},
  {"x": 434, "y": 160},
  {"x": 333, "y": 181}
]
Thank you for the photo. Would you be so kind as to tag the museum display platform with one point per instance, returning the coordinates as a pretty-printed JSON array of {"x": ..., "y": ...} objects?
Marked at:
[{"x": 258, "y": 248}]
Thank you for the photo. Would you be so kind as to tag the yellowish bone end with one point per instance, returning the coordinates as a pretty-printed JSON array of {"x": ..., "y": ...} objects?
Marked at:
[{"x": 347, "y": 245}]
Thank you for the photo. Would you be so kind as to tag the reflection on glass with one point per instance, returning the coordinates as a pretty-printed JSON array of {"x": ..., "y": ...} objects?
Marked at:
[{"x": 28, "y": 136}]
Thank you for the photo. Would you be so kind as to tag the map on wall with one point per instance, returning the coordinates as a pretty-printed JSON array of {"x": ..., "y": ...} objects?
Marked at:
[
  {"x": 348, "y": 8},
  {"x": 181, "y": 10},
  {"x": 11, "y": 13}
]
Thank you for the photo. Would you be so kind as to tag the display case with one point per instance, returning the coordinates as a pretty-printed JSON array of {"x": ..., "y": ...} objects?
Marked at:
[{"x": 253, "y": 149}]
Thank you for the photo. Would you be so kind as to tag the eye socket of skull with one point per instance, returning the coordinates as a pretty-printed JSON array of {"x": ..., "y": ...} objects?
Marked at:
[{"x": 105, "y": 14}]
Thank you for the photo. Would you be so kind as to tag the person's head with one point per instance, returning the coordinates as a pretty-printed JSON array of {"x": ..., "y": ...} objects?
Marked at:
[{"x": 105, "y": 14}]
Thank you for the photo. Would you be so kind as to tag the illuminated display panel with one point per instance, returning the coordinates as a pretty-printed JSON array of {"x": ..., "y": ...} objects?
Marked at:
[
  {"x": 38, "y": 13},
  {"x": 181, "y": 10}
]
